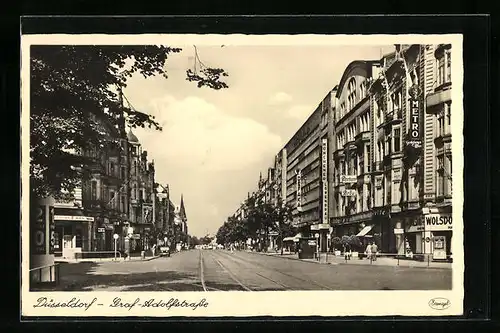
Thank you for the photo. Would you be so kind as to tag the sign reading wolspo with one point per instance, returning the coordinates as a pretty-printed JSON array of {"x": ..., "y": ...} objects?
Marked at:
[
  {"x": 438, "y": 222},
  {"x": 415, "y": 130},
  {"x": 324, "y": 178}
]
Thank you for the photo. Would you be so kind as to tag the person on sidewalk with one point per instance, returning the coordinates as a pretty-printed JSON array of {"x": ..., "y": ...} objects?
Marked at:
[
  {"x": 368, "y": 251},
  {"x": 374, "y": 251}
]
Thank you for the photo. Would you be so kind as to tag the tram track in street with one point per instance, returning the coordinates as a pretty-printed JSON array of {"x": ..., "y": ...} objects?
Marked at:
[
  {"x": 231, "y": 274},
  {"x": 234, "y": 255}
]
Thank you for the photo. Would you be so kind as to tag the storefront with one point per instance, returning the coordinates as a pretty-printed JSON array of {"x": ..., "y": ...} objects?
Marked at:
[
  {"x": 72, "y": 234},
  {"x": 322, "y": 231},
  {"x": 439, "y": 230},
  {"x": 425, "y": 231},
  {"x": 104, "y": 236}
]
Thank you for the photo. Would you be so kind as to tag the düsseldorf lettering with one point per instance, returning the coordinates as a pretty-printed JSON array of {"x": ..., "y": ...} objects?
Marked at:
[{"x": 117, "y": 302}]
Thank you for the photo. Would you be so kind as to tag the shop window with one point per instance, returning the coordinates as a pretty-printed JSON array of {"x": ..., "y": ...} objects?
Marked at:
[
  {"x": 78, "y": 238},
  {"x": 57, "y": 241}
]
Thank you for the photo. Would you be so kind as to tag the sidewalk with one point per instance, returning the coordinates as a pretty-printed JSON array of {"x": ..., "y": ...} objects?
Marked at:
[
  {"x": 135, "y": 258},
  {"x": 381, "y": 261}
]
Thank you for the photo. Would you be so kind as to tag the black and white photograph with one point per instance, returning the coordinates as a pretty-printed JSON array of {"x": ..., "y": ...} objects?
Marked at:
[{"x": 182, "y": 172}]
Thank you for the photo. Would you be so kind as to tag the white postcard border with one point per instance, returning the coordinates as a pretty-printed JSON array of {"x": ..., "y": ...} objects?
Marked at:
[{"x": 289, "y": 303}]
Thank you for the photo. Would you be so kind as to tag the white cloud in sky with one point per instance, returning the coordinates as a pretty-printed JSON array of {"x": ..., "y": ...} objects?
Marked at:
[
  {"x": 300, "y": 112},
  {"x": 280, "y": 98},
  {"x": 214, "y": 145},
  {"x": 197, "y": 134}
]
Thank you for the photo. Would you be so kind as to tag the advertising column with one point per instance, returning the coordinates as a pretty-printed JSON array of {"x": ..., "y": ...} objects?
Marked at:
[{"x": 42, "y": 240}]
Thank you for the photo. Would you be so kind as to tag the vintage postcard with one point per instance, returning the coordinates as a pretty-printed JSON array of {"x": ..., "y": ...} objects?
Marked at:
[{"x": 242, "y": 175}]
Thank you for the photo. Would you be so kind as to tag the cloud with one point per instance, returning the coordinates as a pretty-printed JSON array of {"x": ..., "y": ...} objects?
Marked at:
[
  {"x": 196, "y": 134},
  {"x": 300, "y": 112},
  {"x": 280, "y": 98}
]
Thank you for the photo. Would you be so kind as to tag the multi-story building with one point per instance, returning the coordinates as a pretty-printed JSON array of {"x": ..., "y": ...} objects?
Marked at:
[
  {"x": 280, "y": 167},
  {"x": 437, "y": 166},
  {"x": 165, "y": 213},
  {"x": 304, "y": 173},
  {"x": 374, "y": 159},
  {"x": 142, "y": 197},
  {"x": 351, "y": 150},
  {"x": 392, "y": 160}
]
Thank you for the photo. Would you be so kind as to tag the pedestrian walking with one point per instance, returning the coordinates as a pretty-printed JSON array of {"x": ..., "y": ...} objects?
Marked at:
[
  {"x": 374, "y": 250},
  {"x": 368, "y": 251}
]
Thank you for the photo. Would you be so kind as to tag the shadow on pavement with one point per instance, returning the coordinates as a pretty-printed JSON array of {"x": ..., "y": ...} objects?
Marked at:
[{"x": 78, "y": 277}]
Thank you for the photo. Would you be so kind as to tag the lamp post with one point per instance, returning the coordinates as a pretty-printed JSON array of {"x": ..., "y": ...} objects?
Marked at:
[
  {"x": 328, "y": 236},
  {"x": 316, "y": 235},
  {"x": 115, "y": 236}
]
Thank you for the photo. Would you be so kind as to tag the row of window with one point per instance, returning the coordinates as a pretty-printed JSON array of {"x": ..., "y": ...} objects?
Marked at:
[
  {"x": 443, "y": 64},
  {"x": 352, "y": 97}
]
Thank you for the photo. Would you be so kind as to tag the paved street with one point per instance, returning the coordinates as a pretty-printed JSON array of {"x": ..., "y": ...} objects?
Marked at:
[{"x": 220, "y": 270}]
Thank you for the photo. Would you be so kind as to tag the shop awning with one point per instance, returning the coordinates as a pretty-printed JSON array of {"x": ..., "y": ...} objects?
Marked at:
[
  {"x": 288, "y": 239},
  {"x": 297, "y": 236},
  {"x": 365, "y": 230}
]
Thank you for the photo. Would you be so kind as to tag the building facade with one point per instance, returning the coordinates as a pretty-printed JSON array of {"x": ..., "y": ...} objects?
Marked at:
[
  {"x": 304, "y": 173},
  {"x": 392, "y": 160},
  {"x": 374, "y": 158},
  {"x": 351, "y": 150},
  {"x": 98, "y": 208}
]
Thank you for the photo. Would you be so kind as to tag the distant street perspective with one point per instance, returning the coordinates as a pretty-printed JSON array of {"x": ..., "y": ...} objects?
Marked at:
[{"x": 225, "y": 270}]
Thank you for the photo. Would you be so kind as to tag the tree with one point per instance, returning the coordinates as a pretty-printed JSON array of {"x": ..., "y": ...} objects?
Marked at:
[
  {"x": 72, "y": 89},
  {"x": 336, "y": 241},
  {"x": 282, "y": 216},
  {"x": 205, "y": 240},
  {"x": 193, "y": 241}
]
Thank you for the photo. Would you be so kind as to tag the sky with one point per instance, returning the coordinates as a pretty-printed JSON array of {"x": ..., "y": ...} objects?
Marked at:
[{"x": 214, "y": 143}]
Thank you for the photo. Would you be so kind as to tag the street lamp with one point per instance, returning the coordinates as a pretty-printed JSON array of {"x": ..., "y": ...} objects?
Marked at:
[
  {"x": 317, "y": 244},
  {"x": 115, "y": 236},
  {"x": 328, "y": 237}
]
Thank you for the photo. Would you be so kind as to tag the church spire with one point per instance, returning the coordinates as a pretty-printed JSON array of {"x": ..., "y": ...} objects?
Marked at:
[{"x": 182, "y": 210}]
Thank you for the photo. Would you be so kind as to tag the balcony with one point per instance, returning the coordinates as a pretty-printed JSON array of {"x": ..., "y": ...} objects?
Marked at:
[
  {"x": 437, "y": 98},
  {"x": 362, "y": 137},
  {"x": 349, "y": 145},
  {"x": 393, "y": 117},
  {"x": 378, "y": 166},
  {"x": 338, "y": 153}
]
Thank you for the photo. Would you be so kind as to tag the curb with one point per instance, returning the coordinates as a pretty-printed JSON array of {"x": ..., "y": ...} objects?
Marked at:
[
  {"x": 347, "y": 264},
  {"x": 289, "y": 258},
  {"x": 424, "y": 267}
]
